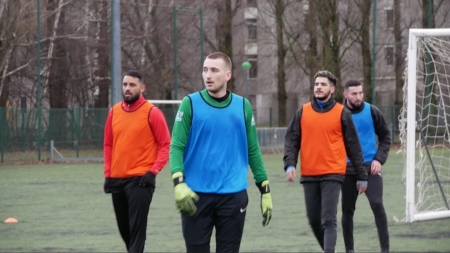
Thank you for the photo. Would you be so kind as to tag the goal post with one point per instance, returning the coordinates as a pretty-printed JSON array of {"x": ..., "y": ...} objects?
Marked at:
[
  {"x": 424, "y": 125},
  {"x": 164, "y": 102}
]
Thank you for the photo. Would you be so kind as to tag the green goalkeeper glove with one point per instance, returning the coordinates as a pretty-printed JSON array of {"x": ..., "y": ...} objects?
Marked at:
[
  {"x": 184, "y": 196},
  {"x": 266, "y": 202}
]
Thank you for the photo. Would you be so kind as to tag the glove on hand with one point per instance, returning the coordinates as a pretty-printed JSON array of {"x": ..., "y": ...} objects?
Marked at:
[
  {"x": 184, "y": 196},
  {"x": 266, "y": 202},
  {"x": 107, "y": 185},
  {"x": 148, "y": 180}
]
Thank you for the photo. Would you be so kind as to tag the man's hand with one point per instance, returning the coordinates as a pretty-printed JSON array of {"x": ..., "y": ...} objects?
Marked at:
[
  {"x": 185, "y": 198},
  {"x": 375, "y": 168},
  {"x": 148, "y": 180},
  {"x": 290, "y": 173},
  {"x": 266, "y": 202},
  {"x": 107, "y": 185},
  {"x": 361, "y": 186}
]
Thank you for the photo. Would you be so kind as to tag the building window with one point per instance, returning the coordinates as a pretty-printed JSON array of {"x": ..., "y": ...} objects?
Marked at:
[
  {"x": 253, "y": 71},
  {"x": 252, "y": 30},
  {"x": 251, "y": 3},
  {"x": 389, "y": 18},
  {"x": 389, "y": 55}
]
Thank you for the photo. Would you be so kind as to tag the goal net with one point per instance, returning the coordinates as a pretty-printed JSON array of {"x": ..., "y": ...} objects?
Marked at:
[{"x": 424, "y": 125}]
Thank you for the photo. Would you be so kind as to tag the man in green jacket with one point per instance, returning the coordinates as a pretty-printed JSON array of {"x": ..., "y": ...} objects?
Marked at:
[{"x": 213, "y": 142}]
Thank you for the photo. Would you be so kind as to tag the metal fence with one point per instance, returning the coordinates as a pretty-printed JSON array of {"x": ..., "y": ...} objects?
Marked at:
[{"x": 78, "y": 133}]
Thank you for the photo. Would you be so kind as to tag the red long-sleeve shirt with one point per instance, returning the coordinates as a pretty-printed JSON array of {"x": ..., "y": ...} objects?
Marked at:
[{"x": 158, "y": 127}]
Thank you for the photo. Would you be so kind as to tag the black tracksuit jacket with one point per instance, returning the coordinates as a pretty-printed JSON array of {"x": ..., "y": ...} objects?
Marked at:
[
  {"x": 351, "y": 141},
  {"x": 382, "y": 132}
]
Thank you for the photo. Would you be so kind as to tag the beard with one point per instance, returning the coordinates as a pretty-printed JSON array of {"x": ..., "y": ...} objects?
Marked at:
[
  {"x": 131, "y": 99},
  {"x": 354, "y": 106},
  {"x": 324, "y": 97}
]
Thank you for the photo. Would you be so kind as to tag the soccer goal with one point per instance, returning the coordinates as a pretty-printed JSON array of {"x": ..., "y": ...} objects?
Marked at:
[
  {"x": 169, "y": 109},
  {"x": 424, "y": 125}
]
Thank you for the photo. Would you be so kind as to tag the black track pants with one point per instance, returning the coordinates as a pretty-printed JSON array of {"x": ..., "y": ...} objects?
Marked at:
[
  {"x": 374, "y": 194},
  {"x": 224, "y": 212},
  {"x": 131, "y": 206},
  {"x": 321, "y": 198}
]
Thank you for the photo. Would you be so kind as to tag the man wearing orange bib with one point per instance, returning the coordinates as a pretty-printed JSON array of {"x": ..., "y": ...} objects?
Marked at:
[
  {"x": 323, "y": 132},
  {"x": 136, "y": 148}
]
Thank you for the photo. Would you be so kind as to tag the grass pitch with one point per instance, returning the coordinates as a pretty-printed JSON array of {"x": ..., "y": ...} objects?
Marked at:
[{"x": 62, "y": 208}]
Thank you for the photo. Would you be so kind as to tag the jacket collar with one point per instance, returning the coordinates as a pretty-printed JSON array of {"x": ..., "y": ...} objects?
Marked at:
[{"x": 326, "y": 107}]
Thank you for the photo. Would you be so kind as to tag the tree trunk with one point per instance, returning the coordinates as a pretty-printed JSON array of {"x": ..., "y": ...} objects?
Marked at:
[
  {"x": 161, "y": 69},
  {"x": 365, "y": 7},
  {"x": 87, "y": 57},
  {"x": 224, "y": 34},
  {"x": 281, "y": 55},
  {"x": 102, "y": 61},
  {"x": 399, "y": 57},
  {"x": 335, "y": 48},
  {"x": 58, "y": 71},
  {"x": 312, "y": 55},
  {"x": 4, "y": 96},
  {"x": 4, "y": 85},
  {"x": 9, "y": 10},
  {"x": 329, "y": 24}
]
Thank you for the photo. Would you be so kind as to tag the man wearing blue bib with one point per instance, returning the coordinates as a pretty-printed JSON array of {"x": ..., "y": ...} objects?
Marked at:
[
  {"x": 371, "y": 127},
  {"x": 214, "y": 141}
]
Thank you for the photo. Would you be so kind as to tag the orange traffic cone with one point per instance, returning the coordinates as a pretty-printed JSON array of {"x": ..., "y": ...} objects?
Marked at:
[{"x": 11, "y": 220}]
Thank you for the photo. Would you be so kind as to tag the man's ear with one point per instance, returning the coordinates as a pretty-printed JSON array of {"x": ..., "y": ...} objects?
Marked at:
[
  {"x": 345, "y": 94},
  {"x": 142, "y": 88},
  {"x": 333, "y": 89},
  {"x": 228, "y": 76}
]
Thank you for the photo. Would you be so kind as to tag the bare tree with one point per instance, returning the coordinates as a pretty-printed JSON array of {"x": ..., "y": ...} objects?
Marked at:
[
  {"x": 399, "y": 57},
  {"x": 57, "y": 70},
  {"x": 279, "y": 8},
  {"x": 148, "y": 29},
  {"x": 363, "y": 34},
  {"x": 102, "y": 53},
  {"x": 8, "y": 14},
  {"x": 224, "y": 31},
  {"x": 56, "y": 73},
  {"x": 312, "y": 54},
  {"x": 332, "y": 38}
]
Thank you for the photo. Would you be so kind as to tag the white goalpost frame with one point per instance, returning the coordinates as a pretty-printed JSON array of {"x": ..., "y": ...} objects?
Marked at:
[
  {"x": 154, "y": 101},
  {"x": 411, "y": 216}
]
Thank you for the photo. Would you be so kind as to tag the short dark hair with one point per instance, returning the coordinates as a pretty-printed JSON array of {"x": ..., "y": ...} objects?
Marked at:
[
  {"x": 220, "y": 55},
  {"x": 328, "y": 75},
  {"x": 134, "y": 73},
  {"x": 351, "y": 83}
]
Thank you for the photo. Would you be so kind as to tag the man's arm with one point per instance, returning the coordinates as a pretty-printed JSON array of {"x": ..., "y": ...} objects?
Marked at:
[
  {"x": 292, "y": 140},
  {"x": 180, "y": 134},
  {"x": 254, "y": 153},
  {"x": 161, "y": 134},
  {"x": 107, "y": 145},
  {"x": 383, "y": 133},
  {"x": 257, "y": 165},
  {"x": 352, "y": 145}
]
